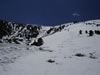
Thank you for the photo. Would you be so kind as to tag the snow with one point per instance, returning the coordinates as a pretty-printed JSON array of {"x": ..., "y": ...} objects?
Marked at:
[
  {"x": 93, "y": 21},
  {"x": 60, "y": 47}
]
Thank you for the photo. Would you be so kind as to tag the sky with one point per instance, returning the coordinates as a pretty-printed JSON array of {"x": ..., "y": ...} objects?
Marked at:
[{"x": 49, "y": 12}]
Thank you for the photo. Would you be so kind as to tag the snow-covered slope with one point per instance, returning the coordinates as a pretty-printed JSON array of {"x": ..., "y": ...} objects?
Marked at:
[{"x": 66, "y": 52}]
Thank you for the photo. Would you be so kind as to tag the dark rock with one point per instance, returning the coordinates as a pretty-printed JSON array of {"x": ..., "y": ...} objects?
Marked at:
[
  {"x": 97, "y": 32},
  {"x": 9, "y": 40},
  {"x": 39, "y": 42},
  {"x": 79, "y": 55},
  {"x": 80, "y": 32},
  {"x": 20, "y": 39},
  {"x": 91, "y": 33},
  {"x": 0, "y": 41},
  {"x": 51, "y": 61},
  {"x": 16, "y": 41},
  {"x": 92, "y": 56}
]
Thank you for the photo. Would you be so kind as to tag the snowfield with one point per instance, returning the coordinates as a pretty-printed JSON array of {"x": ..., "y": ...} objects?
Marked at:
[{"x": 63, "y": 53}]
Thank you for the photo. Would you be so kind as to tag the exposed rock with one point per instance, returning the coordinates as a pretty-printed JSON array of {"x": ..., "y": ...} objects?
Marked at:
[
  {"x": 80, "y": 55},
  {"x": 39, "y": 42},
  {"x": 51, "y": 61}
]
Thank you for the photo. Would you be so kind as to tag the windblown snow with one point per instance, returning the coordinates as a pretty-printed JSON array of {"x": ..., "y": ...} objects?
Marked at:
[{"x": 65, "y": 52}]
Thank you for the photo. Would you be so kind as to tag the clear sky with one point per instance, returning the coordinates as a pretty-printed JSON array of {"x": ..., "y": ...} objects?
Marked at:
[{"x": 49, "y": 12}]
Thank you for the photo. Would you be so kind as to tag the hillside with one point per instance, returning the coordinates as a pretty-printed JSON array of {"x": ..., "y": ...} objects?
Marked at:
[{"x": 67, "y": 49}]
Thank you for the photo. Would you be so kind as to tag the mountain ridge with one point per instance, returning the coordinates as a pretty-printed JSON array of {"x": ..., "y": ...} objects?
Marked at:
[
  {"x": 13, "y": 32},
  {"x": 29, "y": 33}
]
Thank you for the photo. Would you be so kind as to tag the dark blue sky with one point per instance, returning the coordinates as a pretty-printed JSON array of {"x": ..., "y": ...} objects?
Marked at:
[{"x": 49, "y": 12}]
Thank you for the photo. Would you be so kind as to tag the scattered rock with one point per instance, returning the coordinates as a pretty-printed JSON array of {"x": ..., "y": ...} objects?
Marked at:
[
  {"x": 70, "y": 57},
  {"x": 50, "y": 50},
  {"x": 41, "y": 49},
  {"x": 80, "y": 55},
  {"x": 92, "y": 56},
  {"x": 65, "y": 57},
  {"x": 20, "y": 39},
  {"x": 51, "y": 61},
  {"x": 27, "y": 48}
]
